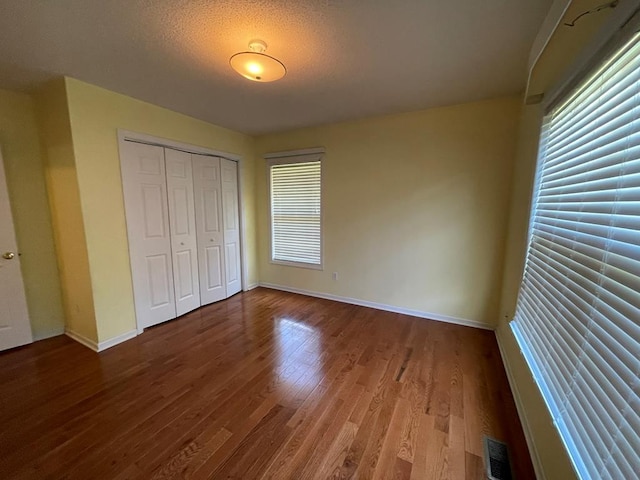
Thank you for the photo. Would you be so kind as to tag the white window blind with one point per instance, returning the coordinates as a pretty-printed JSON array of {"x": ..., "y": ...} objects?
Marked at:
[
  {"x": 578, "y": 313},
  {"x": 295, "y": 211}
]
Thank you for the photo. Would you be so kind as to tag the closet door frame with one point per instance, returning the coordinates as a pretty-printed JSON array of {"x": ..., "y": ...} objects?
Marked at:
[{"x": 127, "y": 135}]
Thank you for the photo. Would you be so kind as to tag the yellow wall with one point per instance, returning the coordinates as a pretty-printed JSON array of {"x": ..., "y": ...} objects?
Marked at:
[
  {"x": 64, "y": 201},
  {"x": 95, "y": 115},
  {"x": 24, "y": 168},
  {"x": 415, "y": 208}
]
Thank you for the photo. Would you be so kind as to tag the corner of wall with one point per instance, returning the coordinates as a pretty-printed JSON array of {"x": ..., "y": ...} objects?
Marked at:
[
  {"x": 258, "y": 177},
  {"x": 64, "y": 201}
]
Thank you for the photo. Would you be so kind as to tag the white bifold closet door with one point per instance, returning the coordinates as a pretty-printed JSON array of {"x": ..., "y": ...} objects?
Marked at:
[
  {"x": 229, "y": 171},
  {"x": 145, "y": 194},
  {"x": 208, "y": 206},
  {"x": 183, "y": 227}
]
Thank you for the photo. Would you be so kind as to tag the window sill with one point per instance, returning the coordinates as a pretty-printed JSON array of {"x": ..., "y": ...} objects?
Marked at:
[{"x": 309, "y": 266}]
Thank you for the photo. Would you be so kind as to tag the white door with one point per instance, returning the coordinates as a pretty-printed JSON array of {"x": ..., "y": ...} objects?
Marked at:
[
  {"x": 145, "y": 195},
  {"x": 15, "y": 329},
  {"x": 208, "y": 205},
  {"x": 230, "y": 215},
  {"x": 182, "y": 225}
]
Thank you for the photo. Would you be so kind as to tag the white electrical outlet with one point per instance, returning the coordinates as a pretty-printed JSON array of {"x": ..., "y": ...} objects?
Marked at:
[{"x": 335, "y": 276}]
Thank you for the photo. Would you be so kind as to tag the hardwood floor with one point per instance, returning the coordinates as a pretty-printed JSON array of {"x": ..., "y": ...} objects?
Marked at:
[{"x": 264, "y": 385}]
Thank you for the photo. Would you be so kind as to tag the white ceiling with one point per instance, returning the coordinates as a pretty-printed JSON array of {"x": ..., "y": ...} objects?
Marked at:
[{"x": 346, "y": 59}]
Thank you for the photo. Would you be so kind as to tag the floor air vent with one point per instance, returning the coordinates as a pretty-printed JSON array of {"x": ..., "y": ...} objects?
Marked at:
[{"x": 496, "y": 459}]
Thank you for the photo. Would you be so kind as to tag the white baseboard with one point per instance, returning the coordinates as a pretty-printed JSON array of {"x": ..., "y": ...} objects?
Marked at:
[
  {"x": 533, "y": 451},
  {"x": 101, "y": 346},
  {"x": 53, "y": 332},
  {"x": 252, "y": 286},
  {"x": 116, "y": 340},
  {"x": 81, "y": 339},
  {"x": 382, "y": 306}
]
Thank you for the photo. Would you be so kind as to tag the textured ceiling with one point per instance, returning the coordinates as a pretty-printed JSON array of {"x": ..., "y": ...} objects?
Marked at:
[{"x": 345, "y": 59}]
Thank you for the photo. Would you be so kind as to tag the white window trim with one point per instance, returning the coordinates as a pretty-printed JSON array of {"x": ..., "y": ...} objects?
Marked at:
[{"x": 288, "y": 157}]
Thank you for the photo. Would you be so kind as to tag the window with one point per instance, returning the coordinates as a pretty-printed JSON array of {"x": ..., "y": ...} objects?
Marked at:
[
  {"x": 578, "y": 313},
  {"x": 296, "y": 233}
]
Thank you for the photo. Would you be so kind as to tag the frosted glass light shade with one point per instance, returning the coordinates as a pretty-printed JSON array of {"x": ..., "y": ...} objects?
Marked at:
[{"x": 257, "y": 66}]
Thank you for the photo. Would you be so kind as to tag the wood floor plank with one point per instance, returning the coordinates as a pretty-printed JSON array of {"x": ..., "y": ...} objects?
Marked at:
[
  {"x": 317, "y": 419},
  {"x": 401, "y": 470},
  {"x": 456, "y": 448},
  {"x": 299, "y": 449},
  {"x": 391, "y": 445},
  {"x": 266, "y": 384},
  {"x": 364, "y": 436},
  {"x": 473, "y": 417},
  {"x": 235, "y": 441},
  {"x": 425, "y": 429},
  {"x": 257, "y": 447},
  {"x": 322, "y": 447},
  {"x": 337, "y": 452},
  {"x": 192, "y": 455},
  {"x": 370, "y": 460},
  {"x": 439, "y": 400},
  {"x": 474, "y": 467},
  {"x": 437, "y": 455}
]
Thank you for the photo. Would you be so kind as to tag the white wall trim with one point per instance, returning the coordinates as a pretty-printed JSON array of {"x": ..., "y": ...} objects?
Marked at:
[
  {"x": 295, "y": 153},
  {"x": 522, "y": 414},
  {"x": 81, "y": 339},
  {"x": 124, "y": 135},
  {"x": 381, "y": 306},
  {"x": 101, "y": 346},
  {"x": 112, "y": 342},
  {"x": 252, "y": 286}
]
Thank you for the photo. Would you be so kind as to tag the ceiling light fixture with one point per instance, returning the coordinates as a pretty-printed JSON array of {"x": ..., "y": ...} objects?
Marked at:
[{"x": 257, "y": 66}]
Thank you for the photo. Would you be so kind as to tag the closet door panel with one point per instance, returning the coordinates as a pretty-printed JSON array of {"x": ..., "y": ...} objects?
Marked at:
[
  {"x": 208, "y": 205},
  {"x": 184, "y": 281},
  {"x": 229, "y": 174},
  {"x": 145, "y": 197},
  {"x": 183, "y": 231},
  {"x": 159, "y": 278},
  {"x": 213, "y": 259}
]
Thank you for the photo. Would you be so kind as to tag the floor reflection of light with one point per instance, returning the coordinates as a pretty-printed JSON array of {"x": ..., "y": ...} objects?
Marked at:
[
  {"x": 296, "y": 324},
  {"x": 299, "y": 365}
]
